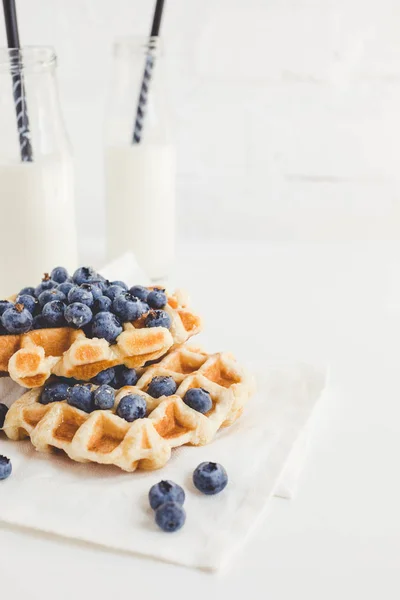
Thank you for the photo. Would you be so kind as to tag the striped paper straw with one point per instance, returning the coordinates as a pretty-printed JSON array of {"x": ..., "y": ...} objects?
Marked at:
[
  {"x": 147, "y": 73},
  {"x": 10, "y": 17}
]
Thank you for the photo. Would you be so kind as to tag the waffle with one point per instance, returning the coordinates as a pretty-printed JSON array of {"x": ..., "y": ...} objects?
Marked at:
[
  {"x": 103, "y": 437},
  {"x": 32, "y": 357}
]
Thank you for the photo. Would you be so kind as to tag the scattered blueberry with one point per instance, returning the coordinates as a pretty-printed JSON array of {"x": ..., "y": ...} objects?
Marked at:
[
  {"x": 157, "y": 299},
  {"x": 49, "y": 295},
  {"x": 93, "y": 288},
  {"x": 210, "y": 478},
  {"x": 53, "y": 313},
  {"x": 79, "y": 294},
  {"x": 127, "y": 307},
  {"x": 17, "y": 319},
  {"x": 78, "y": 314},
  {"x": 106, "y": 325},
  {"x": 84, "y": 275},
  {"x": 4, "y": 305},
  {"x": 132, "y": 407},
  {"x": 104, "y": 397},
  {"x": 165, "y": 491},
  {"x": 66, "y": 287},
  {"x": 81, "y": 396},
  {"x": 198, "y": 399},
  {"x": 104, "y": 377},
  {"x": 3, "y": 412},
  {"x": 55, "y": 392},
  {"x": 158, "y": 318},
  {"x": 161, "y": 386},
  {"x": 5, "y": 467},
  {"x": 46, "y": 284},
  {"x": 113, "y": 291},
  {"x": 59, "y": 274},
  {"x": 140, "y": 292},
  {"x": 102, "y": 304},
  {"x": 29, "y": 302},
  {"x": 121, "y": 284},
  {"x": 124, "y": 376},
  {"x": 39, "y": 322},
  {"x": 29, "y": 291},
  {"x": 170, "y": 517}
]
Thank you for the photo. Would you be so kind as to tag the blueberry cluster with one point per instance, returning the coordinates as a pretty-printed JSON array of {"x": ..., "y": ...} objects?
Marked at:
[
  {"x": 166, "y": 498},
  {"x": 88, "y": 398},
  {"x": 84, "y": 301}
]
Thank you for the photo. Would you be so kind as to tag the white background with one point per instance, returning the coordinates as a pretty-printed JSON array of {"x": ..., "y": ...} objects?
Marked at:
[{"x": 287, "y": 111}]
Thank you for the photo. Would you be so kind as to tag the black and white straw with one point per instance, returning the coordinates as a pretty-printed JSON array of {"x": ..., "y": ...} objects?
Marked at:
[
  {"x": 22, "y": 118},
  {"x": 147, "y": 74},
  {"x": 10, "y": 18},
  {"x": 142, "y": 104}
]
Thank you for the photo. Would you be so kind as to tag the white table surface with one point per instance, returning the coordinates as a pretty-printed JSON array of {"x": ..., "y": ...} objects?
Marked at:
[{"x": 340, "y": 537}]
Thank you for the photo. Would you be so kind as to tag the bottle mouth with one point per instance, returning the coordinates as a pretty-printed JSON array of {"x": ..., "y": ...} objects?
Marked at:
[
  {"x": 139, "y": 45},
  {"x": 27, "y": 58}
]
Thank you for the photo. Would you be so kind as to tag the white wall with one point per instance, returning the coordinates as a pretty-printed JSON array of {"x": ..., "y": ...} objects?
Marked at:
[{"x": 287, "y": 111}]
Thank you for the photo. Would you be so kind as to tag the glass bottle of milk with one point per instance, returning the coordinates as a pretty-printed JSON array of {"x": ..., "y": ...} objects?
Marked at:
[
  {"x": 37, "y": 216},
  {"x": 140, "y": 162}
]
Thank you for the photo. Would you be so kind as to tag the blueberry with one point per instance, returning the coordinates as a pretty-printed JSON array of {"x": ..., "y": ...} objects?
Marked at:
[
  {"x": 165, "y": 491},
  {"x": 104, "y": 377},
  {"x": 127, "y": 307},
  {"x": 84, "y": 275},
  {"x": 29, "y": 302},
  {"x": 106, "y": 325},
  {"x": 93, "y": 288},
  {"x": 3, "y": 412},
  {"x": 17, "y": 319},
  {"x": 198, "y": 399},
  {"x": 4, "y": 304},
  {"x": 170, "y": 517},
  {"x": 5, "y": 467},
  {"x": 125, "y": 376},
  {"x": 29, "y": 291},
  {"x": 81, "y": 396},
  {"x": 161, "y": 386},
  {"x": 78, "y": 315},
  {"x": 140, "y": 292},
  {"x": 39, "y": 322},
  {"x": 55, "y": 392},
  {"x": 158, "y": 318},
  {"x": 157, "y": 299},
  {"x": 121, "y": 284},
  {"x": 210, "y": 478},
  {"x": 49, "y": 295},
  {"x": 102, "y": 304},
  {"x": 104, "y": 397},
  {"x": 78, "y": 294},
  {"x": 59, "y": 274},
  {"x": 46, "y": 284},
  {"x": 102, "y": 284},
  {"x": 113, "y": 291},
  {"x": 66, "y": 287},
  {"x": 132, "y": 407},
  {"x": 53, "y": 313}
]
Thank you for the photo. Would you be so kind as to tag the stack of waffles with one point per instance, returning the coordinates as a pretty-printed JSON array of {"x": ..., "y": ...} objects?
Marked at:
[{"x": 42, "y": 356}]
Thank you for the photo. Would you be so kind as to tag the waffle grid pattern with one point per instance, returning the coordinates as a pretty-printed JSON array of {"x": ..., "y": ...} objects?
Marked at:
[{"x": 103, "y": 437}]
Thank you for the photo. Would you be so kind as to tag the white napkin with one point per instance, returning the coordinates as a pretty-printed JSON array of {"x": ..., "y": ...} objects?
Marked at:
[{"x": 106, "y": 506}]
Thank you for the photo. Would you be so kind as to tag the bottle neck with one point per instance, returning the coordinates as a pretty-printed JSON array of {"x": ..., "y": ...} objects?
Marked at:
[{"x": 29, "y": 104}]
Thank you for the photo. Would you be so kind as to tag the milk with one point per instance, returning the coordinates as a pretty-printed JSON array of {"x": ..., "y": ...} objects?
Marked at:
[
  {"x": 37, "y": 219},
  {"x": 140, "y": 190}
]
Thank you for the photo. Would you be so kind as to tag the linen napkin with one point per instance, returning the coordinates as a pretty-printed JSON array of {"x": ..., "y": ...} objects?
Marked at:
[{"x": 106, "y": 506}]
